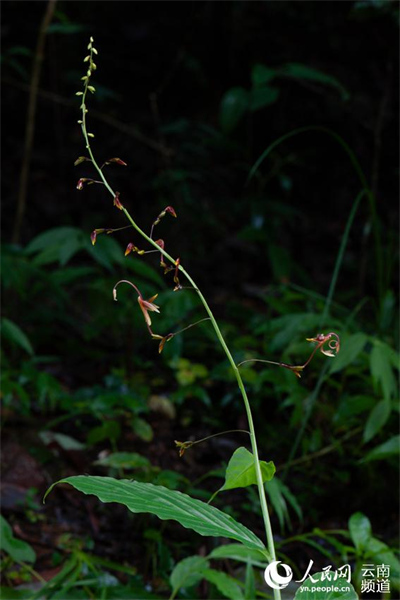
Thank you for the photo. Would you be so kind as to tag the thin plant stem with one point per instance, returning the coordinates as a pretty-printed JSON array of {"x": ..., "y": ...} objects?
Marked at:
[
  {"x": 314, "y": 395},
  {"x": 30, "y": 121},
  {"x": 340, "y": 255},
  {"x": 326, "y": 450},
  {"x": 253, "y": 439},
  {"x": 363, "y": 180}
]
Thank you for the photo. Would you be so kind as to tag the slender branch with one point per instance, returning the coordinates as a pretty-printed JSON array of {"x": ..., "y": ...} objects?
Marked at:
[
  {"x": 30, "y": 121},
  {"x": 326, "y": 450}
]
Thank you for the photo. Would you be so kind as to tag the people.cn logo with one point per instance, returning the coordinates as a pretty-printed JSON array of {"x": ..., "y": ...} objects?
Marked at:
[{"x": 272, "y": 577}]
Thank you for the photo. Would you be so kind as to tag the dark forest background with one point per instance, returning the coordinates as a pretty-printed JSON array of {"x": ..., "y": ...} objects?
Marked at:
[{"x": 190, "y": 95}]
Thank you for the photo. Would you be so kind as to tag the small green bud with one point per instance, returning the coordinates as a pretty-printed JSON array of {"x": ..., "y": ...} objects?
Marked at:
[
  {"x": 91, "y": 89},
  {"x": 94, "y": 51},
  {"x": 86, "y": 58},
  {"x": 79, "y": 94},
  {"x": 91, "y": 135}
]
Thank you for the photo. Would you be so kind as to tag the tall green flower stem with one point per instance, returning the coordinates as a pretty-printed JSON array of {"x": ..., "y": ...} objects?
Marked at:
[{"x": 253, "y": 440}]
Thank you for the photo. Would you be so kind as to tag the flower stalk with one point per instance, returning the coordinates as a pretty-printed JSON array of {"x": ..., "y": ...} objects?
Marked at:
[{"x": 147, "y": 306}]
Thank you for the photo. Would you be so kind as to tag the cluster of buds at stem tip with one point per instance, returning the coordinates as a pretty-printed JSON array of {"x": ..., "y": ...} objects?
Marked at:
[{"x": 86, "y": 85}]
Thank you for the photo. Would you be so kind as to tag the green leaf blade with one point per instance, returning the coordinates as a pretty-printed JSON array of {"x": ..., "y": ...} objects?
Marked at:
[
  {"x": 166, "y": 505},
  {"x": 188, "y": 572},
  {"x": 18, "y": 549},
  {"x": 241, "y": 471}
]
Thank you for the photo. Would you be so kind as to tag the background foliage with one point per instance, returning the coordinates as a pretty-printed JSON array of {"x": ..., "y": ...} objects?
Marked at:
[{"x": 190, "y": 95}]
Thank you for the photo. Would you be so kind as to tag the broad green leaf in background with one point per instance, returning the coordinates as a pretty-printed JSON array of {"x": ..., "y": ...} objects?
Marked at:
[
  {"x": 142, "y": 429},
  {"x": 108, "y": 430},
  {"x": 234, "y": 104},
  {"x": 166, "y": 504},
  {"x": 350, "y": 348},
  {"x": 188, "y": 572},
  {"x": 360, "y": 530},
  {"x": 66, "y": 442},
  {"x": 257, "y": 558},
  {"x": 18, "y": 549},
  {"x": 389, "y": 448},
  {"x": 124, "y": 460},
  {"x": 225, "y": 584},
  {"x": 379, "y": 553},
  {"x": 260, "y": 75},
  {"x": 263, "y": 96},
  {"x": 311, "y": 589},
  {"x": 377, "y": 419},
  {"x": 241, "y": 472},
  {"x": 381, "y": 368},
  {"x": 58, "y": 244},
  {"x": 12, "y": 332},
  {"x": 301, "y": 71}
]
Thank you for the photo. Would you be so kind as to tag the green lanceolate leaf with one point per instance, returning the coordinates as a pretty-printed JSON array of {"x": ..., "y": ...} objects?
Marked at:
[
  {"x": 165, "y": 504},
  {"x": 389, "y": 448},
  {"x": 17, "y": 549},
  {"x": 188, "y": 572},
  {"x": 225, "y": 584},
  {"x": 233, "y": 106},
  {"x": 377, "y": 419},
  {"x": 257, "y": 558},
  {"x": 241, "y": 470},
  {"x": 14, "y": 333},
  {"x": 360, "y": 530},
  {"x": 381, "y": 368},
  {"x": 351, "y": 347}
]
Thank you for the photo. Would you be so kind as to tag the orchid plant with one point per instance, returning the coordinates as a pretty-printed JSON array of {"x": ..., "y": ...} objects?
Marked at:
[{"x": 145, "y": 497}]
